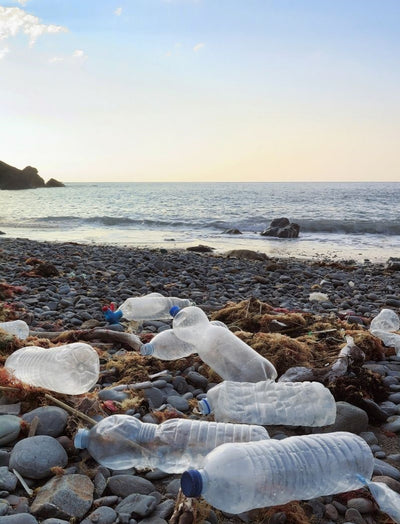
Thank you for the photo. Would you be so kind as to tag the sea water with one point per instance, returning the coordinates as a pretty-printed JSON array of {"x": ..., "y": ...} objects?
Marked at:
[{"x": 337, "y": 220}]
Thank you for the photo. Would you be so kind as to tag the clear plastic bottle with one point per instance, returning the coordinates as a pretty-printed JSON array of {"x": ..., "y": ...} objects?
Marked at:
[
  {"x": 218, "y": 347},
  {"x": 240, "y": 477},
  {"x": 71, "y": 369},
  {"x": 18, "y": 328},
  {"x": 149, "y": 307},
  {"x": 383, "y": 325},
  {"x": 167, "y": 346},
  {"x": 271, "y": 403},
  {"x": 122, "y": 441}
]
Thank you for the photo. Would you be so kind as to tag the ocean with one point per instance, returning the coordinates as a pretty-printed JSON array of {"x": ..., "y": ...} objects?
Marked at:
[{"x": 337, "y": 220}]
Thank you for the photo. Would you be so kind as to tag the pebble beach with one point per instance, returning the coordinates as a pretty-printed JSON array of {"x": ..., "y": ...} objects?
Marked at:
[{"x": 63, "y": 286}]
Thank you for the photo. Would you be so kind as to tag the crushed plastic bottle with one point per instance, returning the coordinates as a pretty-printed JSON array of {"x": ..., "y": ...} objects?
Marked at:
[
  {"x": 240, "y": 477},
  {"x": 167, "y": 346},
  {"x": 271, "y": 403},
  {"x": 71, "y": 369},
  {"x": 121, "y": 442},
  {"x": 18, "y": 328},
  {"x": 383, "y": 325},
  {"x": 153, "y": 306},
  {"x": 218, "y": 347}
]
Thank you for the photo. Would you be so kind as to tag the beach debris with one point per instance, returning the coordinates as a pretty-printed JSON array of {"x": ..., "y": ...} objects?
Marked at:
[
  {"x": 246, "y": 254},
  {"x": 318, "y": 297},
  {"x": 201, "y": 249},
  {"x": 384, "y": 325},
  {"x": 40, "y": 268}
]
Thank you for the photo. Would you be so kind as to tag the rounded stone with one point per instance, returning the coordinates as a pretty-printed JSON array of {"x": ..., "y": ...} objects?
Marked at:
[
  {"x": 52, "y": 420},
  {"x": 19, "y": 518},
  {"x": 179, "y": 403},
  {"x": 362, "y": 505},
  {"x": 10, "y": 426},
  {"x": 33, "y": 457},
  {"x": 112, "y": 394}
]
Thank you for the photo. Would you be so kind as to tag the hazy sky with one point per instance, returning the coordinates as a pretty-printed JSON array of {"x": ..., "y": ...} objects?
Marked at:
[{"x": 225, "y": 90}]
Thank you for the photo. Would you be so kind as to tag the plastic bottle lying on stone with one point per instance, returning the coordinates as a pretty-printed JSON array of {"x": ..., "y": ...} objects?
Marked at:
[
  {"x": 383, "y": 325},
  {"x": 271, "y": 403},
  {"x": 218, "y": 347},
  {"x": 18, "y": 328},
  {"x": 122, "y": 442},
  {"x": 239, "y": 477}
]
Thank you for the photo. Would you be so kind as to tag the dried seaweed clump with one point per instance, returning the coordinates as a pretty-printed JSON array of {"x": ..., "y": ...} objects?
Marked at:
[
  {"x": 371, "y": 345},
  {"x": 294, "y": 513},
  {"x": 244, "y": 315}
]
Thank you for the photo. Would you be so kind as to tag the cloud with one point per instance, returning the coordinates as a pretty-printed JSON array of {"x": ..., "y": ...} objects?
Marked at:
[
  {"x": 14, "y": 20},
  {"x": 118, "y": 11},
  {"x": 56, "y": 59},
  {"x": 198, "y": 46},
  {"x": 78, "y": 54},
  {"x": 21, "y": 2},
  {"x": 4, "y": 52}
]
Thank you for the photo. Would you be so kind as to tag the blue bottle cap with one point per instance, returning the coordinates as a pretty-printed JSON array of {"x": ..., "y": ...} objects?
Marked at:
[
  {"x": 204, "y": 406},
  {"x": 81, "y": 439},
  {"x": 147, "y": 349},
  {"x": 192, "y": 483},
  {"x": 112, "y": 317},
  {"x": 174, "y": 311}
]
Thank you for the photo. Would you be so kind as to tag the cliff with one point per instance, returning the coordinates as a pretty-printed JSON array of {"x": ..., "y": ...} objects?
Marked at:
[{"x": 27, "y": 178}]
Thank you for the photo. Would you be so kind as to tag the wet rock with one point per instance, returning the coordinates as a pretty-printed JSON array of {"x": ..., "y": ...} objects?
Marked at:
[
  {"x": 282, "y": 228},
  {"x": 52, "y": 420},
  {"x": 200, "y": 249},
  {"x": 64, "y": 497},
  {"x": 34, "y": 457},
  {"x": 392, "y": 483},
  {"x": 393, "y": 264},
  {"x": 102, "y": 515},
  {"x": 10, "y": 426},
  {"x": 8, "y": 481},
  {"x": 136, "y": 505},
  {"x": 124, "y": 485}
]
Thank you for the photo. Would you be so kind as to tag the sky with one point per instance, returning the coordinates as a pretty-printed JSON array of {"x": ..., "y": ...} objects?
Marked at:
[{"x": 201, "y": 90}]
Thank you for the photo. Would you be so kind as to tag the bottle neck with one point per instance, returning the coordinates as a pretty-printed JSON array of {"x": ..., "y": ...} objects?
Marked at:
[
  {"x": 147, "y": 432},
  {"x": 81, "y": 440}
]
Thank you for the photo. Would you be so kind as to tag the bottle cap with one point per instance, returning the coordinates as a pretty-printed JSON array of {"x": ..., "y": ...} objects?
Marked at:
[
  {"x": 147, "y": 349},
  {"x": 192, "y": 483},
  {"x": 81, "y": 439},
  {"x": 112, "y": 317},
  {"x": 174, "y": 311},
  {"x": 204, "y": 407}
]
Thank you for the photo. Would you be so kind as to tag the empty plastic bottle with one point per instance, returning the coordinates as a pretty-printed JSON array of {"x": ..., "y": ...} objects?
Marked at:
[
  {"x": 149, "y": 307},
  {"x": 218, "y": 347},
  {"x": 239, "y": 477},
  {"x": 121, "y": 442},
  {"x": 271, "y": 403},
  {"x": 18, "y": 328},
  {"x": 167, "y": 346},
  {"x": 71, "y": 369},
  {"x": 382, "y": 327}
]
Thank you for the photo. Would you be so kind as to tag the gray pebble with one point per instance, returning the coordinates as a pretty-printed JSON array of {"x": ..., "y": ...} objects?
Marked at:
[
  {"x": 55, "y": 521},
  {"x": 8, "y": 481},
  {"x": 164, "y": 509},
  {"x": 112, "y": 394},
  {"x": 136, "y": 505},
  {"x": 155, "y": 397},
  {"x": 354, "y": 516},
  {"x": 124, "y": 485},
  {"x": 362, "y": 505},
  {"x": 52, "y": 420},
  {"x": 179, "y": 403},
  {"x": 20, "y": 518},
  {"x": 381, "y": 468},
  {"x": 173, "y": 487},
  {"x": 10, "y": 426},
  {"x": 197, "y": 380},
  {"x": 102, "y": 515},
  {"x": 34, "y": 457}
]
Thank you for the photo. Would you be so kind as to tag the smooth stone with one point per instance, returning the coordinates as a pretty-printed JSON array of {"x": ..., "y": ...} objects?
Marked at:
[
  {"x": 179, "y": 403},
  {"x": 180, "y": 385},
  {"x": 19, "y": 518},
  {"x": 156, "y": 474},
  {"x": 381, "y": 468},
  {"x": 395, "y": 398},
  {"x": 100, "y": 484},
  {"x": 331, "y": 512},
  {"x": 154, "y": 397},
  {"x": 102, "y": 515},
  {"x": 173, "y": 487},
  {"x": 392, "y": 483},
  {"x": 348, "y": 418},
  {"x": 124, "y": 485},
  {"x": 395, "y": 457},
  {"x": 362, "y": 505},
  {"x": 369, "y": 437},
  {"x": 380, "y": 455},
  {"x": 34, "y": 457},
  {"x": 4, "y": 457},
  {"x": 153, "y": 520},
  {"x": 197, "y": 380},
  {"x": 388, "y": 407},
  {"x": 165, "y": 509},
  {"x": 10, "y": 426},
  {"x": 354, "y": 516},
  {"x": 392, "y": 425},
  {"x": 8, "y": 481},
  {"x": 55, "y": 521},
  {"x": 136, "y": 505},
  {"x": 64, "y": 497},
  {"x": 52, "y": 420},
  {"x": 4, "y": 507},
  {"x": 111, "y": 394}
]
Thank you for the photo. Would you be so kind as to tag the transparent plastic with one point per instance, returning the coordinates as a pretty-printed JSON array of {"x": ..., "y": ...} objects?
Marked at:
[
  {"x": 383, "y": 325},
  {"x": 271, "y": 403},
  {"x": 387, "y": 499},
  {"x": 239, "y": 477},
  {"x": 218, "y": 347},
  {"x": 151, "y": 307},
  {"x": 71, "y": 369},
  {"x": 122, "y": 442},
  {"x": 18, "y": 328},
  {"x": 167, "y": 346}
]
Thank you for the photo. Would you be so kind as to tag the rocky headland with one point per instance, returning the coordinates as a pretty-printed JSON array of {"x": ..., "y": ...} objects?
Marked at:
[{"x": 28, "y": 178}]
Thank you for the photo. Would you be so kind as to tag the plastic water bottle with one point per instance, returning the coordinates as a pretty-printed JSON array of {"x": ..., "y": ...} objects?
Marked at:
[
  {"x": 167, "y": 346},
  {"x": 240, "y": 477},
  {"x": 18, "y": 328},
  {"x": 218, "y": 347},
  {"x": 271, "y": 403},
  {"x": 382, "y": 327},
  {"x": 71, "y": 369},
  {"x": 121, "y": 442},
  {"x": 149, "y": 307}
]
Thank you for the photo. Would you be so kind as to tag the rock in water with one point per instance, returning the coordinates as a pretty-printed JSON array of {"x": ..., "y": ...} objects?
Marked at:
[{"x": 282, "y": 228}]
